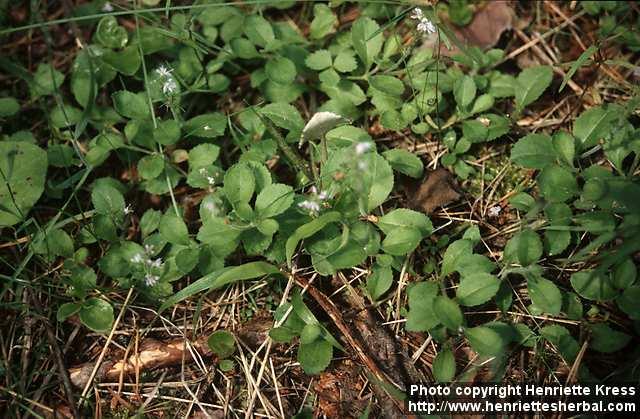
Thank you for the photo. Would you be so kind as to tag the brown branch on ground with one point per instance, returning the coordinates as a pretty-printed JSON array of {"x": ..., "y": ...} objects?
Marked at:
[
  {"x": 152, "y": 354},
  {"x": 358, "y": 347}
]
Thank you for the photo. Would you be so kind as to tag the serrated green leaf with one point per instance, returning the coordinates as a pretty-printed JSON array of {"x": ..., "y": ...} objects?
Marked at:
[{"x": 530, "y": 84}]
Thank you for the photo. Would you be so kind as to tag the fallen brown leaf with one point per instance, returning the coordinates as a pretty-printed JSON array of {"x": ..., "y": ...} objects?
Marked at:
[
  {"x": 484, "y": 30},
  {"x": 437, "y": 189}
]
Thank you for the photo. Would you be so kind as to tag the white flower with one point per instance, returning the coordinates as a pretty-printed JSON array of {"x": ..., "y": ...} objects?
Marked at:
[
  {"x": 426, "y": 27},
  {"x": 156, "y": 263},
  {"x": 128, "y": 210},
  {"x": 311, "y": 206},
  {"x": 151, "y": 280},
  {"x": 137, "y": 258},
  {"x": 362, "y": 148},
  {"x": 495, "y": 211},
  {"x": 163, "y": 71},
  {"x": 206, "y": 128},
  {"x": 169, "y": 87},
  {"x": 148, "y": 248},
  {"x": 107, "y": 7},
  {"x": 417, "y": 14}
]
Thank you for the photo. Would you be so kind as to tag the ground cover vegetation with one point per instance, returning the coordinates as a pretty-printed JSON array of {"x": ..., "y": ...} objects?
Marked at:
[{"x": 281, "y": 208}]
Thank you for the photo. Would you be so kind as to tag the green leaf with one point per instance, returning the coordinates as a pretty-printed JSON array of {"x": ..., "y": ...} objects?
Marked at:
[
  {"x": 131, "y": 105},
  {"x": 404, "y": 162},
  {"x": 150, "y": 221},
  {"x": 46, "y": 80},
  {"x": 534, "y": 151},
  {"x": 524, "y": 248},
  {"x": 221, "y": 278},
  {"x": 282, "y": 334},
  {"x": 593, "y": 285},
  {"x": 556, "y": 241},
  {"x": 563, "y": 341},
  {"x": 150, "y": 167},
  {"x": 216, "y": 231},
  {"x": 577, "y": 64},
  {"x": 239, "y": 184},
  {"x": 203, "y": 155},
  {"x": 8, "y": 106},
  {"x": 444, "y": 366},
  {"x": 482, "y": 104},
  {"x": 126, "y": 61},
  {"x": 387, "y": 84},
  {"x": 379, "y": 176},
  {"x": 258, "y": 30},
  {"x": 477, "y": 288},
  {"x": 67, "y": 310},
  {"x": 281, "y": 70},
  {"x": 448, "y": 312},
  {"x": 208, "y": 125},
  {"x": 323, "y": 23},
  {"x": 310, "y": 333},
  {"x": 308, "y": 230},
  {"x": 453, "y": 253},
  {"x": 502, "y": 85},
  {"x": 379, "y": 282},
  {"x": 485, "y": 341},
  {"x": 464, "y": 91},
  {"x": 405, "y": 218},
  {"x": 564, "y": 145},
  {"x": 318, "y": 60},
  {"x": 530, "y": 84},
  {"x": 557, "y": 184},
  {"x": 97, "y": 315},
  {"x": 421, "y": 316},
  {"x": 23, "y": 168},
  {"x": 173, "y": 229},
  {"x": 273, "y": 200},
  {"x": 605, "y": 339},
  {"x": 315, "y": 357},
  {"x": 244, "y": 48},
  {"x": 628, "y": 302},
  {"x": 65, "y": 116},
  {"x": 401, "y": 241},
  {"x": 625, "y": 274},
  {"x": 592, "y": 125},
  {"x": 284, "y": 116},
  {"x": 108, "y": 201},
  {"x": 110, "y": 34},
  {"x": 167, "y": 132},
  {"x": 345, "y": 62},
  {"x": 55, "y": 242},
  {"x": 222, "y": 343},
  {"x": 365, "y": 44},
  {"x": 544, "y": 294}
]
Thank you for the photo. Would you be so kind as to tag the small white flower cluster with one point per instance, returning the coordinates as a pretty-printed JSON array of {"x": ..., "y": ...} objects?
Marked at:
[
  {"x": 210, "y": 179},
  {"x": 144, "y": 259},
  {"x": 107, "y": 7},
  {"x": 169, "y": 85},
  {"x": 425, "y": 26},
  {"x": 362, "y": 148},
  {"x": 127, "y": 209},
  {"x": 315, "y": 200}
]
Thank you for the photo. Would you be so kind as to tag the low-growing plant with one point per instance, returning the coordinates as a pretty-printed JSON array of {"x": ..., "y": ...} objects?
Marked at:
[{"x": 285, "y": 170}]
